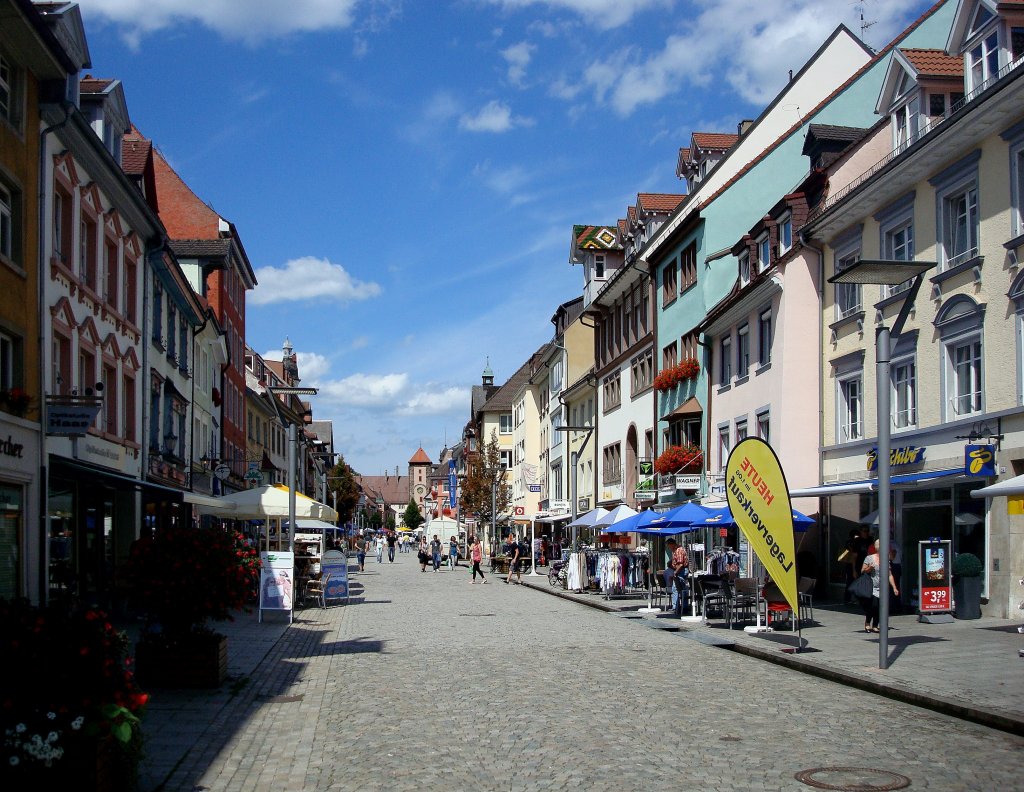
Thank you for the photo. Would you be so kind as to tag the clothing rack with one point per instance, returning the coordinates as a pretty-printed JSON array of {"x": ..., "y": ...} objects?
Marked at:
[{"x": 623, "y": 573}]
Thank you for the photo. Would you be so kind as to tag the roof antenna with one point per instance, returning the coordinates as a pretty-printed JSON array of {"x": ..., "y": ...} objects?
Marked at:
[{"x": 864, "y": 25}]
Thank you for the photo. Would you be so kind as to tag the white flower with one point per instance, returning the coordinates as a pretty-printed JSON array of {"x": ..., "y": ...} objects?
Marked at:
[
  {"x": 21, "y": 728},
  {"x": 76, "y": 724},
  {"x": 52, "y": 737},
  {"x": 51, "y": 715}
]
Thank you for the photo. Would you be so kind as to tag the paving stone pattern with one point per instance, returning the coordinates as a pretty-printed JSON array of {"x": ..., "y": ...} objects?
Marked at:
[{"x": 425, "y": 681}]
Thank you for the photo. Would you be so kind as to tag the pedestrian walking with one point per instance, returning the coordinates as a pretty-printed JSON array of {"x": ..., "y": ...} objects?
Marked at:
[
  {"x": 872, "y": 566},
  {"x": 453, "y": 554},
  {"x": 380, "y": 548},
  {"x": 424, "y": 554},
  {"x": 476, "y": 555},
  {"x": 513, "y": 551},
  {"x": 392, "y": 538},
  {"x": 361, "y": 547},
  {"x": 435, "y": 552}
]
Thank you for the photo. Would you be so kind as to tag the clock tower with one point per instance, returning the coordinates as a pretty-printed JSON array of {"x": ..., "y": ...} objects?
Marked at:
[{"x": 419, "y": 467}]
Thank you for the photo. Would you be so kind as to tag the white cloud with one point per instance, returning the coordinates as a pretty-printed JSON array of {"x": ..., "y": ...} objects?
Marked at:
[
  {"x": 439, "y": 109},
  {"x": 312, "y": 367},
  {"x": 518, "y": 58},
  {"x": 365, "y": 390},
  {"x": 360, "y": 342},
  {"x": 494, "y": 116},
  {"x": 256, "y": 21},
  {"x": 603, "y": 14},
  {"x": 783, "y": 33},
  {"x": 309, "y": 278},
  {"x": 434, "y": 402}
]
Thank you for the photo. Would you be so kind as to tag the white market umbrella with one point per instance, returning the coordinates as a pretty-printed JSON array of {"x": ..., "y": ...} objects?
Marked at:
[
  {"x": 587, "y": 520},
  {"x": 620, "y": 512}
]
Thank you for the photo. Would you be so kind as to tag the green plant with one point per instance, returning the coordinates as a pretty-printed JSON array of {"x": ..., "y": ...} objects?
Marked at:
[
  {"x": 967, "y": 565},
  {"x": 185, "y": 577}
]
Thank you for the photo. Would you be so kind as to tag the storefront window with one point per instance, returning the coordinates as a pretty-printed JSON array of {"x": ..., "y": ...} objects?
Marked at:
[
  {"x": 11, "y": 517},
  {"x": 62, "y": 550}
]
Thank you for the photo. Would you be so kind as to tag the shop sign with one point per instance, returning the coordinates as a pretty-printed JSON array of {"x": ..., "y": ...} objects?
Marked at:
[
  {"x": 9, "y": 448},
  {"x": 583, "y": 504},
  {"x": 646, "y": 467},
  {"x": 898, "y": 457},
  {"x": 979, "y": 460},
  {"x": 453, "y": 483},
  {"x": 277, "y": 570},
  {"x": 71, "y": 415},
  {"x": 253, "y": 473},
  {"x": 933, "y": 569},
  {"x": 558, "y": 506},
  {"x": 643, "y": 495},
  {"x": 667, "y": 486},
  {"x": 518, "y": 511},
  {"x": 335, "y": 564},
  {"x": 534, "y": 487},
  {"x": 685, "y": 482}
]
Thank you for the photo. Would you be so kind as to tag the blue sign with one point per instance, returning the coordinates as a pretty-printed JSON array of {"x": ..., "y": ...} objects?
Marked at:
[
  {"x": 335, "y": 564},
  {"x": 979, "y": 460},
  {"x": 898, "y": 457},
  {"x": 453, "y": 483}
]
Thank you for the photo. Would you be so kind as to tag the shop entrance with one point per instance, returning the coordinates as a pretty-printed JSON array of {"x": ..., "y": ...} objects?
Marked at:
[{"x": 81, "y": 540}]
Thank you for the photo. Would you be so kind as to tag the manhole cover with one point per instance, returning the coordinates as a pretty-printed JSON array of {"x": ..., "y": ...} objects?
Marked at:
[
  {"x": 852, "y": 779},
  {"x": 281, "y": 699}
]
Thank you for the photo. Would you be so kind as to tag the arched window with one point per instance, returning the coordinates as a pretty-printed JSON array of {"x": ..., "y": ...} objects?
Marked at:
[{"x": 959, "y": 323}]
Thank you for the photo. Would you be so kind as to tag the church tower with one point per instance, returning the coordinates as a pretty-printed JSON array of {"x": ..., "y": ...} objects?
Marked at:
[{"x": 419, "y": 468}]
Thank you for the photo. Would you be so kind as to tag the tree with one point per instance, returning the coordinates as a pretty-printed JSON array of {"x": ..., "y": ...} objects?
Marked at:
[
  {"x": 484, "y": 484},
  {"x": 342, "y": 481},
  {"x": 413, "y": 518}
]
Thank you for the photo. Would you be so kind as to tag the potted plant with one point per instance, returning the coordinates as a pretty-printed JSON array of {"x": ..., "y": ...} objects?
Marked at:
[
  {"x": 668, "y": 378},
  {"x": 16, "y": 401},
  {"x": 679, "y": 458},
  {"x": 183, "y": 578},
  {"x": 967, "y": 569},
  {"x": 70, "y": 715}
]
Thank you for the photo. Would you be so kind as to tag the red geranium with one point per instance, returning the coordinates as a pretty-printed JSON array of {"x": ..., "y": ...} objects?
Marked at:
[
  {"x": 668, "y": 378},
  {"x": 676, "y": 459}
]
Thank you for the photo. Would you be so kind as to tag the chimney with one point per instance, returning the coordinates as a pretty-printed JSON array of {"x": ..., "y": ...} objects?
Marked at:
[{"x": 743, "y": 126}]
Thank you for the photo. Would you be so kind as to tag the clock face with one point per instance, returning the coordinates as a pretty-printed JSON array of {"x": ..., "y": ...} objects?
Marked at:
[{"x": 420, "y": 489}]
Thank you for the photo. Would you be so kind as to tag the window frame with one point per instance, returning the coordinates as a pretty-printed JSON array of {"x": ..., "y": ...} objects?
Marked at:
[
  {"x": 895, "y": 219},
  {"x": 743, "y": 351},
  {"x": 784, "y": 226},
  {"x": 959, "y": 179},
  {"x": 670, "y": 281},
  {"x": 764, "y": 252},
  {"x": 725, "y": 360},
  {"x": 764, "y": 340},
  {"x": 849, "y": 421}
]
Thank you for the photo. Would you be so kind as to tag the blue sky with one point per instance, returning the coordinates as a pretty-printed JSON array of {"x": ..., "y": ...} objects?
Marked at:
[{"x": 405, "y": 175}]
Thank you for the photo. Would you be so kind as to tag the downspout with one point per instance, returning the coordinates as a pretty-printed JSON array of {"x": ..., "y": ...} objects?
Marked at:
[
  {"x": 819, "y": 252},
  {"x": 44, "y": 481}
]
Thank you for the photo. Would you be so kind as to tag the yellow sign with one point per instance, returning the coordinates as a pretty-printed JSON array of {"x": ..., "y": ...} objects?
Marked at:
[
  {"x": 1015, "y": 504},
  {"x": 755, "y": 487}
]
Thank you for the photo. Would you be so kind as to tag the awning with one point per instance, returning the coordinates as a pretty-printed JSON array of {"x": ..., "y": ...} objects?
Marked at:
[
  {"x": 553, "y": 518},
  {"x": 1013, "y": 486},
  {"x": 688, "y": 408},
  {"x": 208, "y": 500},
  {"x": 902, "y": 481}
]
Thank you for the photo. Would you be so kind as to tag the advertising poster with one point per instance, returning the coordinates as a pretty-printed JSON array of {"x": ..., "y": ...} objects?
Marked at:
[
  {"x": 934, "y": 570},
  {"x": 277, "y": 580},
  {"x": 755, "y": 487},
  {"x": 335, "y": 564}
]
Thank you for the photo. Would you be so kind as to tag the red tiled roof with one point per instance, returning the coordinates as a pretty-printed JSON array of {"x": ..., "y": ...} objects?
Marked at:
[
  {"x": 631, "y": 214},
  {"x": 623, "y": 227},
  {"x": 93, "y": 85},
  {"x": 684, "y": 154},
  {"x": 420, "y": 458},
  {"x": 135, "y": 151},
  {"x": 659, "y": 202},
  {"x": 934, "y": 63},
  {"x": 183, "y": 213},
  {"x": 714, "y": 140}
]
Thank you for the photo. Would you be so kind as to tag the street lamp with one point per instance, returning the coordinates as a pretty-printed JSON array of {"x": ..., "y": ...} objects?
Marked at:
[
  {"x": 885, "y": 273},
  {"x": 574, "y": 458},
  {"x": 292, "y": 457}
]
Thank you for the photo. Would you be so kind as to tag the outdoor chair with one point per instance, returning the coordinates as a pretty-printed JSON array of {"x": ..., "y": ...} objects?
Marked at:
[
  {"x": 713, "y": 592},
  {"x": 805, "y": 591},
  {"x": 744, "y": 603},
  {"x": 317, "y": 589},
  {"x": 776, "y": 604}
]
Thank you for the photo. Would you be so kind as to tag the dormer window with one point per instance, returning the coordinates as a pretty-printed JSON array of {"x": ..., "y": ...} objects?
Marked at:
[
  {"x": 764, "y": 253},
  {"x": 599, "y": 266},
  {"x": 744, "y": 268},
  {"x": 983, "y": 61},
  {"x": 785, "y": 232}
]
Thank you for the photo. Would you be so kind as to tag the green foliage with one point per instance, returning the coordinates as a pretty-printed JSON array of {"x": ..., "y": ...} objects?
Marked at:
[
  {"x": 484, "y": 484},
  {"x": 413, "y": 518},
  {"x": 967, "y": 565},
  {"x": 342, "y": 480}
]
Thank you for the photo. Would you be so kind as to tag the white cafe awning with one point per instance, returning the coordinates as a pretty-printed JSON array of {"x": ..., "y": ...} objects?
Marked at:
[
  {"x": 1013, "y": 486},
  {"x": 209, "y": 501}
]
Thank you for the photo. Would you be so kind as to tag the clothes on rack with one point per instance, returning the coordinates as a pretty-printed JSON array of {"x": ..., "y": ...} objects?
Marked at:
[{"x": 723, "y": 561}]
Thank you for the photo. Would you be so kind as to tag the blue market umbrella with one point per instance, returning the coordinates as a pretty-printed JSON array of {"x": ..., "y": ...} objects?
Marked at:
[
  {"x": 632, "y": 523},
  {"x": 722, "y": 517},
  {"x": 680, "y": 519}
]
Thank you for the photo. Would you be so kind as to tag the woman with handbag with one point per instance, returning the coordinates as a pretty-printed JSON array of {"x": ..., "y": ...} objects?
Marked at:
[{"x": 871, "y": 573}]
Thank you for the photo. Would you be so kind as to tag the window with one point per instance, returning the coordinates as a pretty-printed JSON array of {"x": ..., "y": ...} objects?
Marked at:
[
  {"x": 130, "y": 290},
  {"x": 505, "y": 423},
  {"x": 785, "y": 232},
  {"x": 904, "y": 124},
  {"x": 6, "y": 88},
  {"x": 964, "y": 371},
  {"x": 642, "y": 371},
  {"x": 725, "y": 360},
  {"x": 128, "y": 395},
  {"x": 741, "y": 430},
  {"x": 764, "y": 426},
  {"x": 599, "y": 260},
  {"x": 983, "y": 61},
  {"x": 689, "y": 265},
  {"x": 896, "y": 229},
  {"x": 723, "y": 446},
  {"x": 6, "y": 362},
  {"x": 670, "y": 356},
  {"x": 851, "y": 409},
  {"x": 7, "y": 223},
  {"x": 959, "y": 323},
  {"x": 506, "y": 459},
  {"x": 764, "y": 253},
  {"x": 111, "y": 280},
  {"x": 61, "y": 224},
  {"x": 744, "y": 268},
  {"x": 171, "y": 339},
  {"x": 936, "y": 105},
  {"x": 87, "y": 253},
  {"x": 849, "y": 298},
  {"x": 611, "y": 464},
  {"x": 743, "y": 351},
  {"x": 109, "y": 399},
  {"x": 60, "y": 373},
  {"x": 611, "y": 392},
  {"x": 956, "y": 195},
  {"x": 86, "y": 371},
  {"x": 904, "y": 394},
  {"x": 688, "y": 346},
  {"x": 670, "y": 287},
  {"x": 764, "y": 337}
]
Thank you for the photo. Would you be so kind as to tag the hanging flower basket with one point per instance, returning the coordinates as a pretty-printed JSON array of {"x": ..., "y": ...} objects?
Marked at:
[
  {"x": 667, "y": 379},
  {"x": 679, "y": 459},
  {"x": 15, "y": 401}
]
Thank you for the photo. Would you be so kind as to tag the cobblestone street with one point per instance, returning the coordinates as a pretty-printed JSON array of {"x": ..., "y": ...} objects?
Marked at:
[{"x": 428, "y": 682}]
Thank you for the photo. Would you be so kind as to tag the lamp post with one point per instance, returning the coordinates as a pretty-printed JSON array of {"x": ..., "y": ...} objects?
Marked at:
[
  {"x": 885, "y": 273},
  {"x": 574, "y": 458},
  {"x": 292, "y": 455}
]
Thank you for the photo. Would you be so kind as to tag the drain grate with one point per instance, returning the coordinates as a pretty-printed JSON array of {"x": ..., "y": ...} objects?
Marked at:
[
  {"x": 476, "y": 615},
  {"x": 852, "y": 779},
  {"x": 730, "y": 738}
]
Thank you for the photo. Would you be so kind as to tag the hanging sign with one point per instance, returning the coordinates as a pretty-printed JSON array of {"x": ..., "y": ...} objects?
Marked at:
[
  {"x": 979, "y": 460},
  {"x": 758, "y": 496},
  {"x": 667, "y": 486},
  {"x": 933, "y": 569},
  {"x": 277, "y": 580},
  {"x": 898, "y": 457},
  {"x": 687, "y": 482},
  {"x": 335, "y": 564},
  {"x": 453, "y": 483},
  {"x": 71, "y": 415}
]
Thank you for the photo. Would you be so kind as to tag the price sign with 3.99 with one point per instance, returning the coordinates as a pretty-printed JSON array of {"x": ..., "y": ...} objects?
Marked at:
[{"x": 934, "y": 599}]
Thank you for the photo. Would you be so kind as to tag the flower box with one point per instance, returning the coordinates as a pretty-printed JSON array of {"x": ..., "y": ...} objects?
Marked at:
[
  {"x": 194, "y": 661},
  {"x": 668, "y": 378},
  {"x": 680, "y": 459}
]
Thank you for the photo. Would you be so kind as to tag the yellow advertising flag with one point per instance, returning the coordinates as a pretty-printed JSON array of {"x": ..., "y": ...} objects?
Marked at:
[{"x": 759, "y": 501}]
